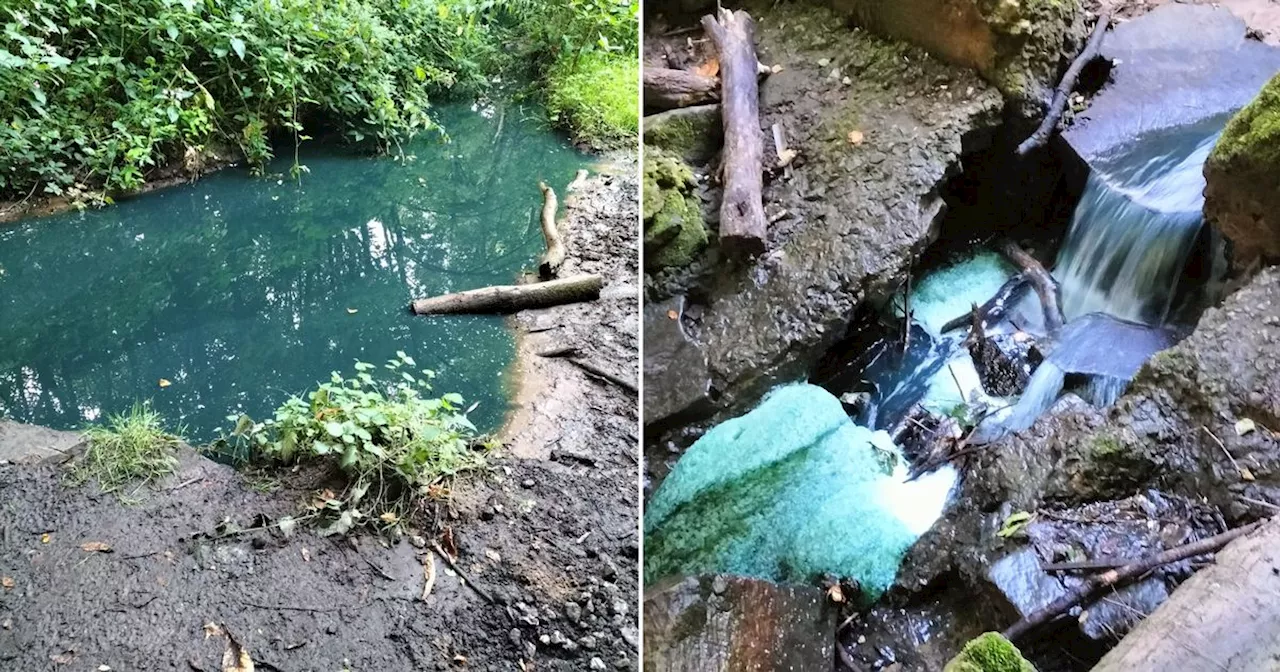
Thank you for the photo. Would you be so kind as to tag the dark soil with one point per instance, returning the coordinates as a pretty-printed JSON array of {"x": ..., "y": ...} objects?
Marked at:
[{"x": 549, "y": 533}]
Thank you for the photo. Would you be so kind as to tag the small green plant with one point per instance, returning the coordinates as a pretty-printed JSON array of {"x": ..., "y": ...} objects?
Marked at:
[
  {"x": 391, "y": 441},
  {"x": 132, "y": 447}
]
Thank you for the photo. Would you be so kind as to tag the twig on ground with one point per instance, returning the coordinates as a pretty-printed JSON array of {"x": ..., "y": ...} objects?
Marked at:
[
  {"x": 1223, "y": 446},
  {"x": 186, "y": 483},
  {"x": 559, "y": 351},
  {"x": 461, "y": 575},
  {"x": 1063, "y": 92},
  {"x": 601, "y": 373},
  {"x": 1122, "y": 575}
]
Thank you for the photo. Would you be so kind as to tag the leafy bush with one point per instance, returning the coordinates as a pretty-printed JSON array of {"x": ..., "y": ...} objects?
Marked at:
[
  {"x": 596, "y": 99},
  {"x": 390, "y": 440},
  {"x": 133, "y": 447},
  {"x": 97, "y": 92}
]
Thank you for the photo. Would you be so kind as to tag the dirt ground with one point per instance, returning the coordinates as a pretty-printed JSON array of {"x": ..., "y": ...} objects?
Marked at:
[{"x": 549, "y": 535}]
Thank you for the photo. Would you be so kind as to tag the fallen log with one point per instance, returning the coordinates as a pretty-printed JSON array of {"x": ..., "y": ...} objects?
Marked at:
[
  {"x": 553, "y": 258},
  {"x": 1063, "y": 92},
  {"x": 742, "y": 221},
  {"x": 668, "y": 88},
  {"x": 511, "y": 298},
  {"x": 1044, "y": 284},
  {"x": 1225, "y": 617},
  {"x": 1121, "y": 576},
  {"x": 1009, "y": 294}
]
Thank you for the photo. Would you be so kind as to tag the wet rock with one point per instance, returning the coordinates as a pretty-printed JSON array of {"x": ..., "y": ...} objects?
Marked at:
[
  {"x": 753, "y": 625},
  {"x": 692, "y": 133},
  {"x": 851, "y": 227},
  {"x": 677, "y": 381},
  {"x": 25, "y": 444},
  {"x": 673, "y": 230},
  {"x": 1241, "y": 198},
  {"x": 1018, "y": 46},
  {"x": 1178, "y": 65},
  {"x": 743, "y": 498}
]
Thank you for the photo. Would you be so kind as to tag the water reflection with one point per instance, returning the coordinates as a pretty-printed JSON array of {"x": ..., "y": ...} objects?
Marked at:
[{"x": 240, "y": 291}]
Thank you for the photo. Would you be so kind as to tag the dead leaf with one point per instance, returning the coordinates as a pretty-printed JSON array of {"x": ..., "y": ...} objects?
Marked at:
[
  {"x": 429, "y": 569},
  {"x": 835, "y": 593},
  {"x": 673, "y": 315},
  {"x": 95, "y": 547},
  {"x": 389, "y": 518},
  {"x": 7, "y": 582},
  {"x": 709, "y": 69},
  {"x": 1245, "y": 426},
  {"x": 164, "y": 382},
  {"x": 306, "y": 555},
  {"x": 236, "y": 658},
  {"x": 1245, "y": 474},
  {"x": 460, "y": 659},
  {"x": 352, "y": 311},
  {"x": 211, "y": 629},
  {"x": 786, "y": 157},
  {"x": 855, "y": 137},
  {"x": 492, "y": 555},
  {"x": 45, "y": 538},
  {"x": 63, "y": 658}
]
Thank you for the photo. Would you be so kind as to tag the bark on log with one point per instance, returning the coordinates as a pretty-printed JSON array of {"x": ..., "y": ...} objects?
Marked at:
[
  {"x": 667, "y": 88},
  {"x": 742, "y": 221},
  {"x": 553, "y": 258},
  {"x": 1046, "y": 287},
  {"x": 1009, "y": 294},
  {"x": 1063, "y": 92},
  {"x": 511, "y": 298},
  {"x": 1226, "y": 617},
  {"x": 1121, "y": 576}
]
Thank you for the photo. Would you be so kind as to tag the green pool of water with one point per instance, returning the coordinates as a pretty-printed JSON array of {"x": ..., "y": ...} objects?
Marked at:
[{"x": 243, "y": 290}]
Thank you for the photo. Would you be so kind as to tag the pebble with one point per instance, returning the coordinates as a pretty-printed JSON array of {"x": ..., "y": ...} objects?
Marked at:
[
  {"x": 516, "y": 636},
  {"x": 545, "y": 639},
  {"x": 597, "y": 664},
  {"x": 620, "y": 608},
  {"x": 528, "y": 483},
  {"x": 719, "y": 585},
  {"x": 573, "y": 611},
  {"x": 587, "y": 642},
  {"x": 824, "y": 62}
]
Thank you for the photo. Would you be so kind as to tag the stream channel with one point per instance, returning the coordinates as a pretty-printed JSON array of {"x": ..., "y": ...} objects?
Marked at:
[
  {"x": 239, "y": 291},
  {"x": 782, "y": 507}
]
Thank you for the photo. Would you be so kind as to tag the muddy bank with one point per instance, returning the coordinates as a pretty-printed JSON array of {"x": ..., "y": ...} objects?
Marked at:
[{"x": 549, "y": 533}]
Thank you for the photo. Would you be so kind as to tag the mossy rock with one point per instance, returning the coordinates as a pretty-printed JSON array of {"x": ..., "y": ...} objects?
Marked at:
[
  {"x": 1242, "y": 192},
  {"x": 692, "y": 133},
  {"x": 989, "y": 652},
  {"x": 674, "y": 232}
]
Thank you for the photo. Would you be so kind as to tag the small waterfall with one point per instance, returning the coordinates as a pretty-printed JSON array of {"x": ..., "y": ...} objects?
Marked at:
[{"x": 1134, "y": 227}]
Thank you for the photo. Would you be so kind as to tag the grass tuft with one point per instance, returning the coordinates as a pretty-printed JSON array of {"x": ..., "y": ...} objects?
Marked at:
[
  {"x": 596, "y": 98},
  {"x": 132, "y": 447}
]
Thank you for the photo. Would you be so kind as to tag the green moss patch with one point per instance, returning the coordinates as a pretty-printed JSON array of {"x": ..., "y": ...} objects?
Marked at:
[
  {"x": 989, "y": 652},
  {"x": 1251, "y": 139}
]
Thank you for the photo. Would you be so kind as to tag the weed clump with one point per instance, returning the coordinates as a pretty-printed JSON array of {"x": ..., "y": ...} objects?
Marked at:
[
  {"x": 391, "y": 441},
  {"x": 132, "y": 447},
  {"x": 595, "y": 97}
]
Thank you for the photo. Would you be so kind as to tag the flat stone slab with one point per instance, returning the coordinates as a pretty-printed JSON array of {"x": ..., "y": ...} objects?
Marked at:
[
  {"x": 1098, "y": 344},
  {"x": 28, "y": 444},
  {"x": 1178, "y": 65}
]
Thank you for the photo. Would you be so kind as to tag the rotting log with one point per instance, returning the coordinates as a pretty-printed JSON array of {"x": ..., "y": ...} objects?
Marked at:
[
  {"x": 1063, "y": 93},
  {"x": 553, "y": 258},
  {"x": 742, "y": 221},
  {"x": 511, "y": 298},
  {"x": 668, "y": 88},
  {"x": 1044, "y": 284},
  {"x": 1120, "y": 576},
  {"x": 1225, "y": 617}
]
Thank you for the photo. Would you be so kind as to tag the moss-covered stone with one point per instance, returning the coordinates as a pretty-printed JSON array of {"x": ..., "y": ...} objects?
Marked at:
[
  {"x": 674, "y": 232},
  {"x": 692, "y": 133},
  {"x": 989, "y": 652},
  {"x": 1242, "y": 192}
]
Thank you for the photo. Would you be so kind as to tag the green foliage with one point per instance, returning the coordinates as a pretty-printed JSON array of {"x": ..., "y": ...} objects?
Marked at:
[
  {"x": 389, "y": 439},
  {"x": 133, "y": 447},
  {"x": 97, "y": 93},
  {"x": 596, "y": 99},
  {"x": 989, "y": 652}
]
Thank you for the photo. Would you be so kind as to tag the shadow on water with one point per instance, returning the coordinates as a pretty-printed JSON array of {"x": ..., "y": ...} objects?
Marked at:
[{"x": 242, "y": 290}]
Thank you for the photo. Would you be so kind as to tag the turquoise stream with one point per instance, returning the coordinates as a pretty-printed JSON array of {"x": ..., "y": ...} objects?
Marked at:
[{"x": 242, "y": 290}]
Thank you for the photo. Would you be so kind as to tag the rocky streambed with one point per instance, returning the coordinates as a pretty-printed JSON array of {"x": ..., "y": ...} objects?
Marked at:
[{"x": 903, "y": 171}]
